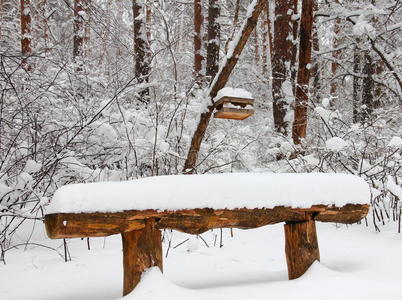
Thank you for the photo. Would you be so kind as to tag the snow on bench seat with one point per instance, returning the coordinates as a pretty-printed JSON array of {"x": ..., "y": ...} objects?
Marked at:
[{"x": 215, "y": 191}]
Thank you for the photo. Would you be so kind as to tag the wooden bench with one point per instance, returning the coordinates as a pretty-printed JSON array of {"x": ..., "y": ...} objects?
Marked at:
[{"x": 140, "y": 230}]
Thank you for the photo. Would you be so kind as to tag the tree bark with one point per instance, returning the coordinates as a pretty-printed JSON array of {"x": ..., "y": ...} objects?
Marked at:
[
  {"x": 218, "y": 83},
  {"x": 265, "y": 39},
  {"x": 142, "y": 249},
  {"x": 26, "y": 31},
  {"x": 303, "y": 75},
  {"x": 367, "y": 87},
  {"x": 198, "y": 55},
  {"x": 295, "y": 29},
  {"x": 1, "y": 18},
  {"x": 335, "y": 56},
  {"x": 356, "y": 84},
  {"x": 79, "y": 32},
  {"x": 148, "y": 26},
  {"x": 194, "y": 221},
  {"x": 43, "y": 26},
  {"x": 6, "y": 19},
  {"x": 141, "y": 51},
  {"x": 234, "y": 24},
  {"x": 213, "y": 38},
  {"x": 301, "y": 247},
  {"x": 281, "y": 57},
  {"x": 87, "y": 29},
  {"x": 315, "y": 70}
]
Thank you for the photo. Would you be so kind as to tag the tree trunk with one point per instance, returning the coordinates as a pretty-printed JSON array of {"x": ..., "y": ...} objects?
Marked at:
[
  {"x": 78, "y": 29},
  {"x": 234, "y": 24},
  {"x": 213, "y": 39},
  {"x": 281, "y": 63},
  {"x": 198, "y": 53},
  {"x": 315, "y": 70},
  {"x": 148, "y": 26},
  {"x": 1, "y": 17},
  {"x": 303, "y": 75},
  {"x": 87, "y": 29},
  {"x": 218, "y": 83},
  {"x": 141, "y": 51},
  {"x": 378, "y": 88},
  {"x": 256, "y": 46},
  {"x": 79, "y": 34},
  {"x": 26, "y": 30},
  {"x": 265, "y": 39},
  {"x": 295, "y": 29},
  {"x": 142, "y": 249},
  {"x": 301, "y": 247},
  {"x": 367, "y": 87},
  {"x": 42, "y": 32},
  {"x": 335, "y": 56},
  {"x": 356, "y": 84},
  {"x": 6, "y": 21}
]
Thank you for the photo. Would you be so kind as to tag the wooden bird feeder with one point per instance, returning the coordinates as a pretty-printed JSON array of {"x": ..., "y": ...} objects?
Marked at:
[{"x": 234, "y": 108}]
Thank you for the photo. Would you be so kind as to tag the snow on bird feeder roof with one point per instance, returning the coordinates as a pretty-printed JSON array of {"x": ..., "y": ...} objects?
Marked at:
[
  {"x": 233, "y": 103},
  {"x": 216, "y": 191},
  {"x": 234, "y": 93}
]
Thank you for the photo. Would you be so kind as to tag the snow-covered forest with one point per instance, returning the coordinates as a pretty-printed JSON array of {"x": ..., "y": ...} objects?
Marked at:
[{"x": 102, "y": 90}]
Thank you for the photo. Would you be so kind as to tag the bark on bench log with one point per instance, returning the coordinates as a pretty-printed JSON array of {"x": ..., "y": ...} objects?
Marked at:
[{"x": 193, "y": 221}]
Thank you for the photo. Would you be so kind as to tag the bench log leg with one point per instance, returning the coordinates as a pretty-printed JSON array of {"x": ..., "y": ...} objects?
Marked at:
[
  {"x": 301, "y": 247},
  {"x": 142, "y": 249}
]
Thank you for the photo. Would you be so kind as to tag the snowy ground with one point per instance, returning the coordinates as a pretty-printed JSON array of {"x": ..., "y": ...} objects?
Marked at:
[{"x": 356, "y": 263}]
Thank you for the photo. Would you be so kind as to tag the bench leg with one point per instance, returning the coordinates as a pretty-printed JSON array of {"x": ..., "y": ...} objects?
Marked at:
[
  {"x": 301, "y": 247},
  {"x": 142, "y": 249}
]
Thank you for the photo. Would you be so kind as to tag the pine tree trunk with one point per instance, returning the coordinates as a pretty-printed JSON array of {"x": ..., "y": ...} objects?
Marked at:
[
  {"x": 256, "y": 46},
  {"x": 1, "y": 19},
  {"x": 378, "y": 88},
  {"x": 141, "y": 51},
  {"x": 356, "y": 84},
  {"x": 234, "y": 24},
  {"x": 303, "y": 75},
  {"x": 148, "y": 26},
  {"x": 87, "y": 29},
  {"x": 281, "y": 62},
  {"x": 6, "y": 19},
  {"x": 213, "y": 39},
  {"x": 79, "y": 33},
  {"x": 198, "y": 55},
  {"x": 42, "y": 33},
  {"x": 26, "y": 31},
  {"x": 335, "y": 56},
  {"x": 265, "y": 40},
  {"x": 293, "y": 65},
  {"x": 315, "y": 70},
  {"x": 367, "y": 87}
]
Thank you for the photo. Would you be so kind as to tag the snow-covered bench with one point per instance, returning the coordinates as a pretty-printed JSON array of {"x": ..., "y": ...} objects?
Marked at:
[{"x": 193, "y": 204}]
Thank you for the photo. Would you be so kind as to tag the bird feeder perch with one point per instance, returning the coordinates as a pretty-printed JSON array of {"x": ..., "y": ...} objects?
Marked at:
[{"x": 234, "y": 106}]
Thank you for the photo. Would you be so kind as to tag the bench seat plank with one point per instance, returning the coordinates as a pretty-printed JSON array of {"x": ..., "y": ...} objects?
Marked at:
[{"x": 193, "y": 221}]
